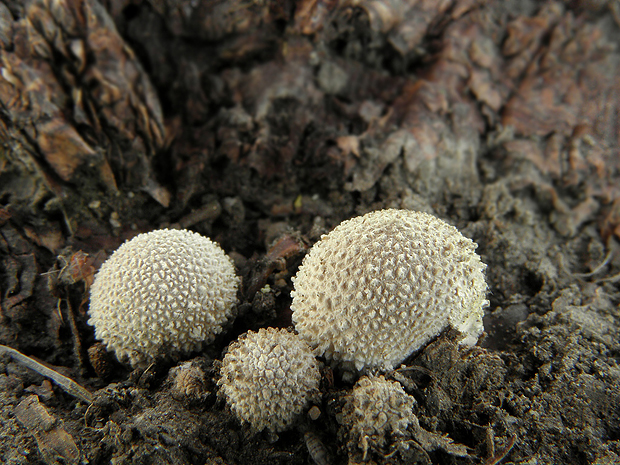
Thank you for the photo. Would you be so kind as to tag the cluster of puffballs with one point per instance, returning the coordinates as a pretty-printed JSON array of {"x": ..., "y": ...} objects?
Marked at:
[{"x": 370, "y": 293}]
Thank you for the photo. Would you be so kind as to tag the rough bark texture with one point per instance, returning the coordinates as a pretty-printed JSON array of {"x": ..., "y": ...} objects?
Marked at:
[{"x": 262, "y": 125}]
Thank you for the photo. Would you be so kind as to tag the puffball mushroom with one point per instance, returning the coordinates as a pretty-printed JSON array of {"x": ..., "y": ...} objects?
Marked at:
[
  {"x": 163, "y": 291},
  {"x": 380, "y": 286},
  {"x": 268, "y": 378},
  {"x": 375, "y": 408}
]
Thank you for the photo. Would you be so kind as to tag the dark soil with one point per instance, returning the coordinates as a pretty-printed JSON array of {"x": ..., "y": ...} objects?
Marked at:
[{"x": 265, "y": 124}]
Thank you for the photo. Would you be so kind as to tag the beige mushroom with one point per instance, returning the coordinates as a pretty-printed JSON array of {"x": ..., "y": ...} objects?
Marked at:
[
  {"x": 268, "y": 378},
  {"x": 163, "y": 292},
  {"x": 380, "y": 286}
]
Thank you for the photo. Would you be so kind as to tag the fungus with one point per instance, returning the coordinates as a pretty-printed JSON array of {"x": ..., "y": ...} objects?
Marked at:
[
  {"x": 189, "y": 381},
  {"x": 166, "y": 291},
  {"x": 380, "y": 286},
  {"x": 378, "y": 413},
  {"x": 268, "y": 378},
  {"x": 375, "y": 408}
]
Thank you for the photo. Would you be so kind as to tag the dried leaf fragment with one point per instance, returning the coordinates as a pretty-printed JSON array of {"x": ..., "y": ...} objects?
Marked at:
[{"x": 55, "y": 444}]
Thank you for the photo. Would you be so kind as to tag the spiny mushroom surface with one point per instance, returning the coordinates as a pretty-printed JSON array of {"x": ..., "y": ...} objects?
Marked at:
[
  {"x": 378, "y": 414},
  {"x": 163, "y": 291},
  {"x": 189, "y": 381},
  {"x": 268, "y": 378},
  {"x": 380, "y": 286},
  {"x": 375, "y": 408}
]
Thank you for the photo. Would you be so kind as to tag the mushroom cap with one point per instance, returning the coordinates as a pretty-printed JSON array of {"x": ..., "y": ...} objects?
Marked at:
[
  {"x": 166, "y": 291},
  {"x": 380, "y": 286},
  {"x": 268, "y": 378}
]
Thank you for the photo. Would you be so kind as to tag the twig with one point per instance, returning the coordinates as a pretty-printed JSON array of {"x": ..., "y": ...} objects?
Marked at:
[
  {"x": 609, "y": 279},
  {"x": 77, "y": 343},
  {"x": 602, "y": 265},
  {"x": 70, "y": 386},
  {"x": 503, "y": 453}
]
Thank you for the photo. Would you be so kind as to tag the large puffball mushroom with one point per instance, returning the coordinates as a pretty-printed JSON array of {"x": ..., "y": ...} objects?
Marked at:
[
  {"x": 380, "y": 286},
  {"x": 268, "y": 378},
  {"x": 166, "y": 291}
]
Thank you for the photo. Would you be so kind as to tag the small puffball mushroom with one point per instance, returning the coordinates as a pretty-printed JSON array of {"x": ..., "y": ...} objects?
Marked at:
[
  {"x": 268, "y": 378},
  {"x": 189, "y": 381},
  {"x": 166, "y": 291},
  {"x": 375, "y": 408},
  {"x": 380, "y": 286}
]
